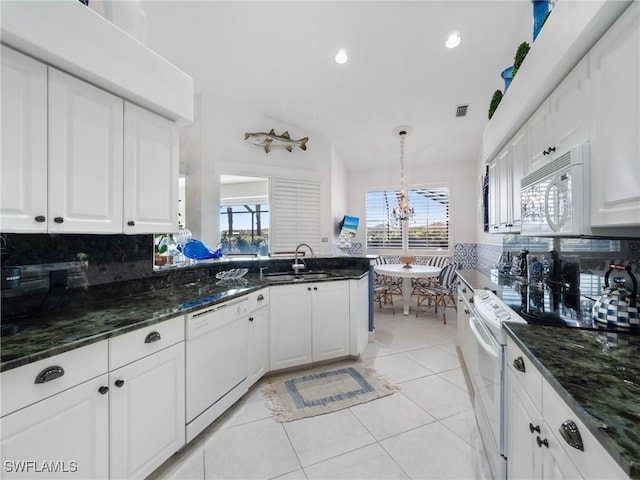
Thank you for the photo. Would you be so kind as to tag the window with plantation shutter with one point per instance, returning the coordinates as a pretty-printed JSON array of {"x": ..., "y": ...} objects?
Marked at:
[
  {"x": 427, "y": 230},
  {"x": 295, "y": 214}
]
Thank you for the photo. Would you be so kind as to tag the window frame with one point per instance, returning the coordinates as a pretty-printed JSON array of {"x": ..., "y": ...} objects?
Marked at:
[{"x": 404, "y": 247}]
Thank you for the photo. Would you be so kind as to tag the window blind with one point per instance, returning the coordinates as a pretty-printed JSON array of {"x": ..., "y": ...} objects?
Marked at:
[
  {"x": 428, "y": 230},
  {"x": 295, "y": 214}
]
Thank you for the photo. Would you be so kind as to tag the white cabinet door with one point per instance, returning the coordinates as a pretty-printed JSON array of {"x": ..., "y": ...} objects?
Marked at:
[
  {"x": 150, "y": 172},
  {"x": 147, "y": 412},
  {"x": 258, "y": 344},
  {"x": 85, "y": 157},
  {"x": 494, "y": 197},
  {"x": 615, "y": 142},
  {"x": 290, "y": 326},
  {"x": 330, "y": 320},
  {"x": 504, "y": 190},
  {"x": 569, "y": 111},
  {"x": 505, "y": 173},
  {"x": 524, "y": 424},
  {"x": 518, "y": 147},
  {"x": 23, "y": 159},
  {"x": 538, "y": 139},
  {"x": 68, "y": 432}
]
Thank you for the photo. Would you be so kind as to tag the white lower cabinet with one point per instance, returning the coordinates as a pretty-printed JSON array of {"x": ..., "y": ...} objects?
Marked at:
[
  {"x": 147, "y": 398},
  {"x": 533, "y": 451},
  {"x": 55, "y": 416},
  {"x": 63, "y": 436},
  {"x": 66, "y": 417},
  {"x": 330, "y": 320},
  {"x": 258, "y": 335},
  {"x": 147, "y": 413},
  {"x": 308, "y": 323},
  {"x": 536, "y": 416}
]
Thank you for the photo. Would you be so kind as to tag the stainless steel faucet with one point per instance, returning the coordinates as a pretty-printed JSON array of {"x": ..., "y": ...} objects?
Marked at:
[{"x": 299, "y": 266}]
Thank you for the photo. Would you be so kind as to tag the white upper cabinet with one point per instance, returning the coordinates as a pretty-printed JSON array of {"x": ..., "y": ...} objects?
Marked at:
[
  {"x": 23, "y": 160},
  {"x": 494, "y": 196},
  {"x": 505, "y": 173},
  {"x": 569, "y": 111},
  {"x": 150, "y": 172},
  {"x": 561, "y": 122},
  {"x": 77, "y": 159},
  {"x": 615, "y": 138},
  {"x": 85, "y": 157}
]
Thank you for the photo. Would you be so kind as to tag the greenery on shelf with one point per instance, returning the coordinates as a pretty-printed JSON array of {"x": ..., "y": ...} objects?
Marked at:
[
  {"x": 521, "y": 53},
  {"x": 495, "y": 101}
]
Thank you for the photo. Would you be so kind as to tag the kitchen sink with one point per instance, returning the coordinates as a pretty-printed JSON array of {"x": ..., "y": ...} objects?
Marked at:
[{"x": 293, "y": 277}]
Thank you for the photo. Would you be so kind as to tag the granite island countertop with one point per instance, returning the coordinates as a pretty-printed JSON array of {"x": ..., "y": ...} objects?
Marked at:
[
  {"x": 47, "y": 334},
  {"x": 597, "y": 373}
]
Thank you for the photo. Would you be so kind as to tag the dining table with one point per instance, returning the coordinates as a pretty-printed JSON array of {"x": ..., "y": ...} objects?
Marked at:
[{"x": 406, "y": 273}]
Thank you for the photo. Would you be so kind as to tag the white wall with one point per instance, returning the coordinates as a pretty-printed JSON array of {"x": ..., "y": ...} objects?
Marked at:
[
  {"x": 215, "y": 145},
  {"x": 339, "y": 198},
  {"x": 462, "y": 179}
]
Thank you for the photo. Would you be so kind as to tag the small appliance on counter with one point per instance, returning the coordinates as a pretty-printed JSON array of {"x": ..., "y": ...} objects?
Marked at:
[{"x": 618, "y": 307}]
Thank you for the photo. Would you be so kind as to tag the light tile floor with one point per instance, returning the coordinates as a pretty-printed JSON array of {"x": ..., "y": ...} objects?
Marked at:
[{"x": 426, "y": 430}]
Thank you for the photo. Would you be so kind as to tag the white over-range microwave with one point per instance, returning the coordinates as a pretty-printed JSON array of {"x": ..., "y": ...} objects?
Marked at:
[{"x": 554, "y": 199}]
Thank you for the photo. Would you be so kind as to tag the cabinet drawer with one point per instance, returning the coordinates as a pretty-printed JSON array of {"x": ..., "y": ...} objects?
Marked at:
[
  {"x": 465, "y": 292},
  {"x": 131, "y": 346},
  {"x": 530, "y": 378},
  {"x": 594, "y": 461},
  {"x": 19, "y": 387},
  {"x": 258, "y": 299}
]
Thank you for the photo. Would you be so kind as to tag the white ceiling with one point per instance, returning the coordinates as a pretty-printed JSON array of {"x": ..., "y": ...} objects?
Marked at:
[{"x": 277, "y": 58}]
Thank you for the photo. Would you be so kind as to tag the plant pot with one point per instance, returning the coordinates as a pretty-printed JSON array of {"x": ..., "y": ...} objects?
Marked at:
[{"x": 507, "y": 76}]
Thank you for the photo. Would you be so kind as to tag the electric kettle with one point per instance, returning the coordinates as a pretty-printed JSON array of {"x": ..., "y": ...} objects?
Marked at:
[{"x": 618, "y": 307}]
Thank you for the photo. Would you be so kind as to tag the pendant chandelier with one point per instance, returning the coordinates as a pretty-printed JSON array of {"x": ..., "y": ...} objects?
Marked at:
[{"x": 403, "y": 212}]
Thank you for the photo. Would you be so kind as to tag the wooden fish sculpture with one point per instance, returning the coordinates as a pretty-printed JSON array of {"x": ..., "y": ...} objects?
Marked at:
[{"x": 268, "y": 140}]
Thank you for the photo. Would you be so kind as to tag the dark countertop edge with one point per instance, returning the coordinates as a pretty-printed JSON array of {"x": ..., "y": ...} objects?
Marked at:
[
  {"x": 138, "y": 324},
  {"x": 631, "y": 468},
  {"x": 477, "y": 280}
]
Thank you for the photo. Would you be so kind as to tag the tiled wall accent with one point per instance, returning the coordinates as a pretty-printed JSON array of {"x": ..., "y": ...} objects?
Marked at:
[
  {"x": 465, "y": 255},
  {"x": 488, "y": 256}
]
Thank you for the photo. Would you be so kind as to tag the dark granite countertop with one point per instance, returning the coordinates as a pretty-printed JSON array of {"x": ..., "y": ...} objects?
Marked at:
[
  {"x": 597, "y": 373},
  {"x": 44, "y": 335}
]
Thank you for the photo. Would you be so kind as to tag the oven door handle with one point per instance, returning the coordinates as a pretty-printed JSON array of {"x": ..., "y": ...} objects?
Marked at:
[{"x": 489, "y": 347}]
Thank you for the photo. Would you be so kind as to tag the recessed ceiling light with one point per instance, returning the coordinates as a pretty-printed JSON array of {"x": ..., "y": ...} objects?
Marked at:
[
  {"x": 453, "y": 41},
  {"x": 341, "y": 56}
]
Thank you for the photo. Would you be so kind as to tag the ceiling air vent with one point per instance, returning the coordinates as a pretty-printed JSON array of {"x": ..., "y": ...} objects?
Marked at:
[{"x": 461, "y": 110}]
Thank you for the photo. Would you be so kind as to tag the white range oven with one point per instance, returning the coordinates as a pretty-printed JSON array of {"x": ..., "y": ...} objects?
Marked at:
[{"x": 484, "y": 353}]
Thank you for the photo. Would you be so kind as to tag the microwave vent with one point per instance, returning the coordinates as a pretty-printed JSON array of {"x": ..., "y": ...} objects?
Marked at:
[{"x": 558, "y": 164}]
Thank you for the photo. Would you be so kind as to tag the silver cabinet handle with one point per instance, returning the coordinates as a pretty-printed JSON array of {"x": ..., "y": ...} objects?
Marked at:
[
  {"x": 260, "y": 297},
  {"x": 518, "y": 364},
  {"x": 152, "y": 337},
  {"x": 49, "y": 373},
  {"x": 571, "y": 434}
]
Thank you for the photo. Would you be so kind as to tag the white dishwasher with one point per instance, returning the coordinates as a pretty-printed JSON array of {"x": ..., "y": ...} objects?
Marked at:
[{"x": 217, "y": 342}]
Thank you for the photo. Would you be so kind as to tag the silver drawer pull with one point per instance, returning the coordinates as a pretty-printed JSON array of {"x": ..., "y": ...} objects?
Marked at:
[
  {"x": 571, "y": 434},
  {"x": 260, "y": 297},
  {"x": 49, "y": 373},
  {"x": 152, "y": 337},
  {"x": 518, "y": 364}
]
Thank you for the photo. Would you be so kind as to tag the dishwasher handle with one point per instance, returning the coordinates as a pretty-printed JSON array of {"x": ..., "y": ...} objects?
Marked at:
[{"x": 488, "y": 346}]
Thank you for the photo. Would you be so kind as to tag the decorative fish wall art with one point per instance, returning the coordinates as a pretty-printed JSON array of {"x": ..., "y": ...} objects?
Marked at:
[{"x": 268, "y": 140}]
